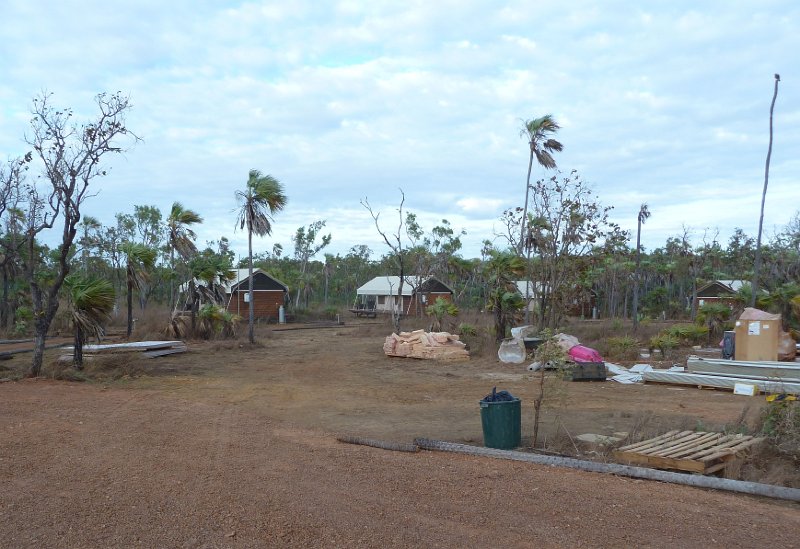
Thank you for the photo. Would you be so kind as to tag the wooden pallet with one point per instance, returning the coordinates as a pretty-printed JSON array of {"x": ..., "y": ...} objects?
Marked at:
[{"x": 691, "y": 451}]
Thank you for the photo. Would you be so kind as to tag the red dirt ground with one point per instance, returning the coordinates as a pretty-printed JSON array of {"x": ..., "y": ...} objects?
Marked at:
[{"x": 229, "y": 446}]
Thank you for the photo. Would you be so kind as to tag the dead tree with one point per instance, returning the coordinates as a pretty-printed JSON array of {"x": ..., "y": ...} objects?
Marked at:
[
  {"x": 395, "y": 243},
  {"x": 70, "y": 155}
]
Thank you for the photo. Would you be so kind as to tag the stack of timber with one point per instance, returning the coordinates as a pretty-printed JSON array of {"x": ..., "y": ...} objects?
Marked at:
[
  {"x": 426, "y": 345},
  {"x": 148, "y": 349},
  {"x": 690, "y": 451},
  {"x": 767, "y": 376}
]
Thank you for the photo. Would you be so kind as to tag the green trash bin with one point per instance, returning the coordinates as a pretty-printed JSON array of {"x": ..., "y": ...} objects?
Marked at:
[{"x": 502, "y": 423}]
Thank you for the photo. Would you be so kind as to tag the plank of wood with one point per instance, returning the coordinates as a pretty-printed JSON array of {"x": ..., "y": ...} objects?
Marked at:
[
  {"x": 685, "y": 436},
  {"x": 704, "y": 441},
  {"x": 642, "y": 443},
  {"x": 661, "y": 462},
  {"x": 734, "y": 450},
  {"x": 724, "y": 442}
]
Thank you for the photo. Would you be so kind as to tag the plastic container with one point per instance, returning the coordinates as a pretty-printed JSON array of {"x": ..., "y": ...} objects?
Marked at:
[
  {"x": 502, "y": 423},
  {"x": 511, "y": 351}
]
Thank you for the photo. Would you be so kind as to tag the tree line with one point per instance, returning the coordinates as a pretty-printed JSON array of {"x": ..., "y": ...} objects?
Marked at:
[{"x": 561, "y": 243}]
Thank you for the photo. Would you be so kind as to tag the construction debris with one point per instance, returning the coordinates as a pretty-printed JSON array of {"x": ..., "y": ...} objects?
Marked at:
[
  {"x": 691, "y": 451},
  {"x": 720, "y": 382},
  {"x": 773, "y": 371},
  {"x": 149, "y": 349},
  {"x": 426, "y": 345}
]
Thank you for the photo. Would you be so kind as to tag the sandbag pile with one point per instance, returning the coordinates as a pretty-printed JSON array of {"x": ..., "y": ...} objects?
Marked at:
[{"x": 426, "y": 345}]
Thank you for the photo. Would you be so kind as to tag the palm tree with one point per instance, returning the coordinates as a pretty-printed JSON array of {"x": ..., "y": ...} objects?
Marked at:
[
  {"x": 91, "y": 302},
  {"x": 538, "y": 132},
  {"x": 139, "y": 260},
  {"x": 644, "y": 215},
  {"x": 181, "y": 239},
  {"x": 501, "y": 270},
  {"x": 262, "y": 197},
  {"x": 757, "y": 265}
]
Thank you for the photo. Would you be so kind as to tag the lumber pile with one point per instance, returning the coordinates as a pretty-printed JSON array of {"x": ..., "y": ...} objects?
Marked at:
[
  {"x": 149, "y": 349},
  {"x": 426, "y": 345},
  {"x": 691, "y": 451}
]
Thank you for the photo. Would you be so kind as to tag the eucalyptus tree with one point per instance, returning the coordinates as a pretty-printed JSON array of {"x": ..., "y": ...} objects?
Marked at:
[
  {"x": 91, "y": 301},
  {"x": 71, "y": 156},
  {"x": 180, "y": 239},
  {"x": 139, "y": 261},
  {"x": 89, "y": 239},
  {"x": 398, "y": 250},
  {"x": 261, "y": 198},
  {"x": 306, "y": 247},
  {"x": 641, "y": 218},
  {"x": 568, "y": 221}
]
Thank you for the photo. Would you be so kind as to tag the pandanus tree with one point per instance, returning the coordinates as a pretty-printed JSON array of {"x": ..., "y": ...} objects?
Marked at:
[
  {"x": 91, "y": 301},
  {"x": 181, "y": 239},
  {"x": 262, "y": 197},
  {"x": 139, "y": 261}
]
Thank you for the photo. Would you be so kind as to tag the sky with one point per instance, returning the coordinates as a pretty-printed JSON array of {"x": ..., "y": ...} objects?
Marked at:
[{"x": 664, "y": 103}]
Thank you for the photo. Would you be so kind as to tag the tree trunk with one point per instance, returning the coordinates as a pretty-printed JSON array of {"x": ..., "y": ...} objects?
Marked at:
[
  {"x": 251, "y": 337},
  {"x": 172, "y": 280},
  {"x": 77, "y": 354},
  {"x": 524, "y": 221},
  {"x": 757, "y": 264},
  {"x": 39, "y": 339},
  {"x": 4, "y": 308},
  {"x": 193, "y": 304},
  {"x": 537, "y": 405},
  {"x": 130, "y": 307},
  {"x": 636, "y": 276}
]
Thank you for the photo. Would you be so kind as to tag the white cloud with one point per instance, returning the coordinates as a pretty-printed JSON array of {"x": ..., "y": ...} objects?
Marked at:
[
  {"x": 349, "y": 99},
  {"x": 480, "y": 205}
]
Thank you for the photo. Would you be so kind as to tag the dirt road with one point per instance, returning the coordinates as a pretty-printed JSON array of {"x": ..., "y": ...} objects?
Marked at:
[{"x": 235, "y": 448}]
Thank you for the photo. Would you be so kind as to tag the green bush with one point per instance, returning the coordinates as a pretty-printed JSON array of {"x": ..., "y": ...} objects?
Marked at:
[
  {"x": 623, "y": 347},
  {"x": 664, "y": 342},
  {"x": 687, "y": 334},
  {"x": 466, "y": 329},
  {"x": 781, "y": 424}
]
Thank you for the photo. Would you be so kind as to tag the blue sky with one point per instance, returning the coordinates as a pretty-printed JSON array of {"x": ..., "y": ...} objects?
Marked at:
[{"x": 665, "y": 103}]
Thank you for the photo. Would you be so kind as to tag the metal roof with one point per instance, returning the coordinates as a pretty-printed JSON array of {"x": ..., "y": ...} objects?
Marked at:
[
  {"x": 238, "y": 276},
  {"x": 387, "y": 285}
]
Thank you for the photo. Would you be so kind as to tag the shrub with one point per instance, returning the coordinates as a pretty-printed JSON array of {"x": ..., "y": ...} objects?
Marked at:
[
  {"x": 466, "y": 329},
  {"x": 687, "y": 334},
  {"x": 781, "y": 424},
  {"x": 623, "y": 347},
  {"x": 664, "y": 342}
]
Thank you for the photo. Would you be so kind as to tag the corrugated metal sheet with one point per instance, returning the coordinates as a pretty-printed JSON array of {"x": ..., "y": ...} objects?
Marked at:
[
  {"x": 721, "y": 382},
  {"x": 786, "y": 371}
]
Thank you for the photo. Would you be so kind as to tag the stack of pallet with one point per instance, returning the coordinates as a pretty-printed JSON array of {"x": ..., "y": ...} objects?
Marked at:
[
  {"x": 426, "y": 345},
  {"x": 149, "y": 349}
]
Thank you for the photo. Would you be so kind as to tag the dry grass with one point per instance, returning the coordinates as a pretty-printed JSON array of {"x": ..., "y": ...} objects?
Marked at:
[{"x": 97, "y": 368}]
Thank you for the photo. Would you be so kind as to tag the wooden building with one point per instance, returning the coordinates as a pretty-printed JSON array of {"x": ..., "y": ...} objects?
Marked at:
[
  {"x": 719, "y": 291},
  {"x": 268, "y": 294}
]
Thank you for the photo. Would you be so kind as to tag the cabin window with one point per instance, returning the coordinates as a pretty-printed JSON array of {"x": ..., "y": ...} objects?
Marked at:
[{"x": 381, "y": 300}]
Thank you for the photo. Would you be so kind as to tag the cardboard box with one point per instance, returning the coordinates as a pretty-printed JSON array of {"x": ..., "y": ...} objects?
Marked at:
[{"x": 757, "y": 339}]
